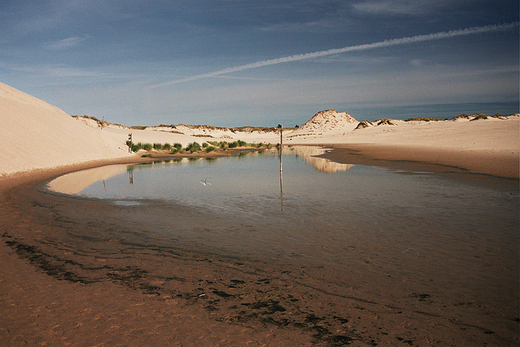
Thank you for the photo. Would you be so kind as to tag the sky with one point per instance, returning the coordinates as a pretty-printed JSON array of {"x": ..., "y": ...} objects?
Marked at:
[{"x": 263, "y": 62}]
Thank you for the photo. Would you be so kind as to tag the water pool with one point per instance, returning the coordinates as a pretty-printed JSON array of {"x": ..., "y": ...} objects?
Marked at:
[{"x": 445, "y": 244}]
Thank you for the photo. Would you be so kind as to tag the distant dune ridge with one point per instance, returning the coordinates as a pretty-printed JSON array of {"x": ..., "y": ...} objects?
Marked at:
[{"x": 37, "y": 135}]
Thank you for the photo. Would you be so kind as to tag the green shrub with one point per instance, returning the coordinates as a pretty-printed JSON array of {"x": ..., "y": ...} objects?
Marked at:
[
  {"x": 157, "y": 146},
  {"x": 422, "y": 119},
  {"x": 193, "y": 147},
  {"x": 205, "y": 145},
  {"x": 210, "y": 149},
  {"x": 178, "y": 146},
  {"x": 480, "y": 116},
  {"x": 147, "y": 146},
  {"x": 167, "y": 146}
]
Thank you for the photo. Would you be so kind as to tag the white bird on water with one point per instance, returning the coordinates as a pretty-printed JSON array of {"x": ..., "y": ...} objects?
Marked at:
[{"x": 205, "y": 182}]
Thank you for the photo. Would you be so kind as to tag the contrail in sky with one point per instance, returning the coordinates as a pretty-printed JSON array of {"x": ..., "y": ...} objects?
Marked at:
[{"x": 386, "y": 43}]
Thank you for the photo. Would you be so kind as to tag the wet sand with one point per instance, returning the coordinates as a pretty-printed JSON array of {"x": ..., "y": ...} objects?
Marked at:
[{"x": 77, "y": 272}]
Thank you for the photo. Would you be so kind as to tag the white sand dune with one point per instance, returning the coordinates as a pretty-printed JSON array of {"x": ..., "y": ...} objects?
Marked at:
[
  {"x": 495, "y": 134},
  {"x": 37, "y": 135},
  {"x": 327, "y": 122}
]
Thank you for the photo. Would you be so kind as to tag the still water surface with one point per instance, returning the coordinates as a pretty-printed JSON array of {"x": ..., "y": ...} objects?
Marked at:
[{"x": 323, "y": 211}]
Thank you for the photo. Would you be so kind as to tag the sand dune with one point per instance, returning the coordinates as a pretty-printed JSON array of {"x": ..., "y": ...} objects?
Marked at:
[
  {"x": 37, "y": 135},
  {"x": 327, "y": 122}
]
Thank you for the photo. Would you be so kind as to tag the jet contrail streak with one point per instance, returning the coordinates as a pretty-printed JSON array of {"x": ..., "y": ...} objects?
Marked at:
[{"x": 386, "y": 43}]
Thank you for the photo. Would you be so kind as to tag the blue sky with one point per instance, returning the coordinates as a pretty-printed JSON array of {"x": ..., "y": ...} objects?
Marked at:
[{"x": 242, "y": 62}]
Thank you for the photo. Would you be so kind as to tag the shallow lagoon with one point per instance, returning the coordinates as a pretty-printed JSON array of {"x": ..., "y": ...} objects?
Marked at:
[
  {"x": 372, "y": 233},
  {"x": 311, "y": 205}
]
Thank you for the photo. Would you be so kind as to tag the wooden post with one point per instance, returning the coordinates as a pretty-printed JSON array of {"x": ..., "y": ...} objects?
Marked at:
[{"x": 130, "y": 143}]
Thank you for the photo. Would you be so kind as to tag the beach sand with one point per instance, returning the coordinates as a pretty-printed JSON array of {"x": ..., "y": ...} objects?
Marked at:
[{"x": 70, "y": 279}]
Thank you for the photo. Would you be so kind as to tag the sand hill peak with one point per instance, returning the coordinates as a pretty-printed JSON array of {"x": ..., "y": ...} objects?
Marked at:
[{"x": 330, "y": 121}]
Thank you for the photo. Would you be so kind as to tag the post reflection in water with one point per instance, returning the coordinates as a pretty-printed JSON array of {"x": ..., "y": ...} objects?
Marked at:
[
  {"x": 131, "y": 173},
  {"x": 281, "y": 180}
]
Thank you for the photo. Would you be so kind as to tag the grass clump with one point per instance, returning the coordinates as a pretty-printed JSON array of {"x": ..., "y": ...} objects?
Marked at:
[
  {"x": 479, "y": 116},
  {"x": 193, "y": 147},
  {"x": 461, "y": 116},
  {"x": 210, "y": 149},
  {"x": 176, "y": 148},
  {"x": 147, "y": 146},
  {"x": 422, "y": 119},
  {"x": 135, "y": 147}
]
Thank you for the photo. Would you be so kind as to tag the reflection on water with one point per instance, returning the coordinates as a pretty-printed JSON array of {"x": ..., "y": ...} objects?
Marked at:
[
  {"x": 76, "y": 182},
  {"x": 248, "y": 175},
  {"x": 310, "y": 153}
]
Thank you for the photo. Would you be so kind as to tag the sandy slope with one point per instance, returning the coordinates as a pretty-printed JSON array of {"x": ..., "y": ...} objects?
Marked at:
[{"x": 36, "y": 135}]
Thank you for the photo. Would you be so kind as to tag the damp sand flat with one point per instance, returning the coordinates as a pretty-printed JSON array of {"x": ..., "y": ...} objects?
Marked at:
[{"x": 424, "y": 268}]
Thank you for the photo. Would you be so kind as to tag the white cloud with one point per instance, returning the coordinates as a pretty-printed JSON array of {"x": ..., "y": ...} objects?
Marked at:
[
  {"x": 65, "y": 43},
  {"x": 403, "y": 7}
]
